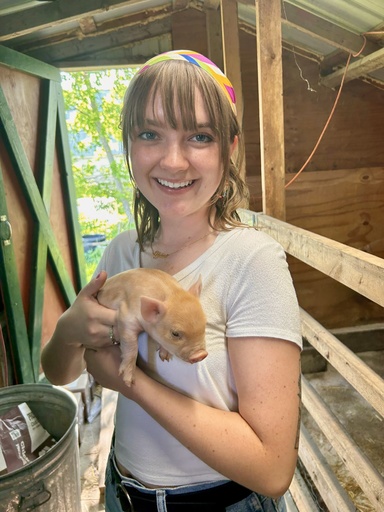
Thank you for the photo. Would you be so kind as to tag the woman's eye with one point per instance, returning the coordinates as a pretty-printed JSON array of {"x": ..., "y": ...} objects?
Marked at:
[
  {"x": 202, "y": 137},
  {"x": 147, "y": 135}
]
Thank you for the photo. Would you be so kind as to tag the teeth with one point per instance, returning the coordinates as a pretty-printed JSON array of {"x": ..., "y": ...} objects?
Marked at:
[{"x": 169, "y": 184}]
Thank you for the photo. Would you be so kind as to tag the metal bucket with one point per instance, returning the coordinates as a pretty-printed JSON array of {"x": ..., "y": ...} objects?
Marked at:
[{"x": 50, "y": 483}]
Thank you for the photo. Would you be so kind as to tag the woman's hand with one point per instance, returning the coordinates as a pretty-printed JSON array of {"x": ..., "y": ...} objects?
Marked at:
[
  {"x": 87, "y": 323},
  {"x": 104, "y": 365}
]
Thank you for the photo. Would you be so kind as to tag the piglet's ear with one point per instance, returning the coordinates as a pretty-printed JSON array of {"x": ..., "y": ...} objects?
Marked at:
[
  {"x": 152, "y": 310},
  {"x": 196, "y": 288}
]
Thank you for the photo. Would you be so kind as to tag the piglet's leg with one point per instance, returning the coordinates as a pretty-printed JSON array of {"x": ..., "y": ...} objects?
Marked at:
[
  {"x": 129, "y": 350},
  {"x": 128, "y": 346},
  {"x": 164, "y": 354}
]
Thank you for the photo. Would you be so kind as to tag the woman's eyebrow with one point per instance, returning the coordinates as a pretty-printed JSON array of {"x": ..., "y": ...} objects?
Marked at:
[
  {"x": 156, "y": 123},
  {"x": 204, "y": 125},
  {"x": 153, "y": 122}
]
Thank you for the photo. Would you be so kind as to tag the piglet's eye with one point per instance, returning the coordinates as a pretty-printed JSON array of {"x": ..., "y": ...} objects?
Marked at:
[{"x": 176, "y": 335}]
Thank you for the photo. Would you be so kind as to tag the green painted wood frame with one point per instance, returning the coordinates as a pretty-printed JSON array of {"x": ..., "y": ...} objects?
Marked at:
[{"x": 25, "y": 333}]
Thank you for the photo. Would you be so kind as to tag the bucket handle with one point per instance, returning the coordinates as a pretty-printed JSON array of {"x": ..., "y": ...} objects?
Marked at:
[{"x": 33, "y": 498}]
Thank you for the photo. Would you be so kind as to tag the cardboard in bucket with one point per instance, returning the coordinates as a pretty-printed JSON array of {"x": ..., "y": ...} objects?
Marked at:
[{"x": 22, "y": 438}]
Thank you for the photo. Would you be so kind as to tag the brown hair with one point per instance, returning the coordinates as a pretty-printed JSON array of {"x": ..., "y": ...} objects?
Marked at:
[{"x": 176, "y": 82}]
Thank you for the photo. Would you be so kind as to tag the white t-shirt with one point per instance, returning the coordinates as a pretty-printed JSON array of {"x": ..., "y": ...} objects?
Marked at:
[{"x": 247, "y": 291}]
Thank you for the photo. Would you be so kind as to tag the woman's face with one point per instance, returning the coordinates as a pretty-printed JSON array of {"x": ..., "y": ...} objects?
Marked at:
[{"x": 178, "y": 171}]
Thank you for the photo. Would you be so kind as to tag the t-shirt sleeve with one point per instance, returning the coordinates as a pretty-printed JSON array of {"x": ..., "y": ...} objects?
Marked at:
[
  {"x": 121, "y": 254},
  {"x": 261, "y": 298}
]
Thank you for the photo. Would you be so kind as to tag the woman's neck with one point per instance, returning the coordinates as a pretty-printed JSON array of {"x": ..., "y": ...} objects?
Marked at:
[{"x": 175, "y": 247}]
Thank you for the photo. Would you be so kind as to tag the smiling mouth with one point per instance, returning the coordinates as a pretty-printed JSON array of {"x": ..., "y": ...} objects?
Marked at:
[{"x": 180, "y": 184}]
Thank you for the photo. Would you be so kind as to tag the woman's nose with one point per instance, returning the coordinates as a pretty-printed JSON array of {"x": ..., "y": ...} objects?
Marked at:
[{"x": 174, "y": 158}]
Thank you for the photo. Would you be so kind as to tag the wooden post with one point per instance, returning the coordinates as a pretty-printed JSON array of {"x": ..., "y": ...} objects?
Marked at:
[
  {"x": 270, "y": 85},
  {"x": 214, "y": 37},
  {"x": 231, "y": 50}
]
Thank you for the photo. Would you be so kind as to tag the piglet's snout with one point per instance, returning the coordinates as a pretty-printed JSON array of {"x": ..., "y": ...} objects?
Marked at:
[{"x": 198, "y": 356}]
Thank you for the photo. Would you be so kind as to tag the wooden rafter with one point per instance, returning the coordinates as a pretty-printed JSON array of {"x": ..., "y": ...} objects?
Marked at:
[
  {"x": 92, "y": 45},
  {"x": 53, "y": 14},
  {"x": 357, "y": 69}
]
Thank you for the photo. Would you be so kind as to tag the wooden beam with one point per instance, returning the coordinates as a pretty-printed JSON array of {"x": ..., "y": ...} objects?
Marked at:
[
  {"x": 25, "y": 176},
  {"x": 301, "y": 494},
  {"x": 321, "y": 29},
  {"x": 65, "y": 50},
  {"x": 271, "y": 113},
  {"x": 324, "y": 31},
  {"x": 53, "y": 14},
  {"x": 231, "y": 50},
  {"x": 214, "y": 36},
  {"x": 365, "y": 474},
  {"x": 351, "y": 367},
  {"x": 29, "y": 65},
  {"x": 361, "y": 67},
  {"x": 356, "y": 269},
  {"x": 334, "y": 495}
]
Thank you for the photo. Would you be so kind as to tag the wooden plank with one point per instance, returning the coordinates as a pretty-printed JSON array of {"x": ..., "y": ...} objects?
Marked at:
[
  {"x": 10, "y": 290},
  {"x": 47, "y": 134},
  {"x": 29, "y": 65},
  {"x": 33, "y": 196},
  {"x": 231, "y": 50},
  {"x": 330, "y": 489},
  {"x": 107, "y": 425},
  {"x": 271, "y": 111},
  {"x": 365, "y": 474},
  {"x": 345, "y": 205},
  {"x": 214, "y": 36},
  {"x": 101, "y": 42},
  {"x": 325, "y": 31},
  {"x": 357, "y": 69},
  {"x": 301, "y": 495},
  {"x": 69, "y": 192},
  {"x": 361, "y": 338},
  {"x": 53, "y": 14},
  {"x": 359, "y": 271},
  {"x": 350, "y": 366}
]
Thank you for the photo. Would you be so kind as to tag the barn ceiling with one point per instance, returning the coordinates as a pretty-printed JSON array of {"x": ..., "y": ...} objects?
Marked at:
[{"x": 72, "y": 34}]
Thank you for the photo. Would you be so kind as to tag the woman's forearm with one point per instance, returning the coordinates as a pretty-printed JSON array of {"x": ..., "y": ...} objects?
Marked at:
[
  {"x": 254, "y": 447},
  {"x": 222, "y": 439},
  {"x": 62, "y": 363}
]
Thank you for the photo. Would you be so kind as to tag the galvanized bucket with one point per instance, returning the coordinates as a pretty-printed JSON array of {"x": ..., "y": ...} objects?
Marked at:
[{"x": 50, "y": 483}]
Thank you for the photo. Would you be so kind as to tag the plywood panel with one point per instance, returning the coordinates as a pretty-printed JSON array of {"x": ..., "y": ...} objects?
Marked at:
[
  {"x": 354, "y": 137},
  {"x": 23, "y": 98},
  {"x": 41, "y": 274},
  {"x": 189, "y": 31},
  {"x": 347, "y": 206}
]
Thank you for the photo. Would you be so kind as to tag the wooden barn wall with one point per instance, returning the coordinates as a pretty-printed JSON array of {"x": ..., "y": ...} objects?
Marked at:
[
  {"x": 340, "y": 194},
  {"x": 23, "y": 95},
  {"x": 26, "y": 103}
]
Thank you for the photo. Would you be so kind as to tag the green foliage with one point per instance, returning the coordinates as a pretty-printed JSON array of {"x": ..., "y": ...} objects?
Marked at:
[
  {"x": 93, "y": 102},
  {"x": 92, "y": 259}
]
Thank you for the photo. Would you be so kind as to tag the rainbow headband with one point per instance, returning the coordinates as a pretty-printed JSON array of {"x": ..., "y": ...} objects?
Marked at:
[{"x": 202, "y": 62}]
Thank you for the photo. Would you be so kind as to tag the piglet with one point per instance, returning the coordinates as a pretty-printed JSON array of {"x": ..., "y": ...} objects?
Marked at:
[{"x": 153, "y": 301}]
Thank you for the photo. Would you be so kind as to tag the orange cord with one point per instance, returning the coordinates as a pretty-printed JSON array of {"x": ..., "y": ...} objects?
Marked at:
[{"x": 330, "y": 115}]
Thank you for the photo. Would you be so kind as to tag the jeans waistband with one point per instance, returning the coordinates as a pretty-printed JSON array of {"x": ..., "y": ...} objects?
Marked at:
[{"x": 212, "y": 499}]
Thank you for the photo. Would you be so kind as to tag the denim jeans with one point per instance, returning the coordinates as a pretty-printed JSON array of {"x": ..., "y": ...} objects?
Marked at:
[{"x": 253, "y": 503}]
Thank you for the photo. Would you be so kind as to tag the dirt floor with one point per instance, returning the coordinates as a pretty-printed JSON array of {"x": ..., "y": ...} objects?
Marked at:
[
  {"x": 91, "y": 498},
  {"x": 364, "y": 425}
]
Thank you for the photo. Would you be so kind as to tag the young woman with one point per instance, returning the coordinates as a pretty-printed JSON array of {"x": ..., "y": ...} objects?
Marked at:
[{"x": 220, "y": 434}]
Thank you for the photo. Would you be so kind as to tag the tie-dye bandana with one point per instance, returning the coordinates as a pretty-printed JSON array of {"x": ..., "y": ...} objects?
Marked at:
[{"x": 202, "y": 62}]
